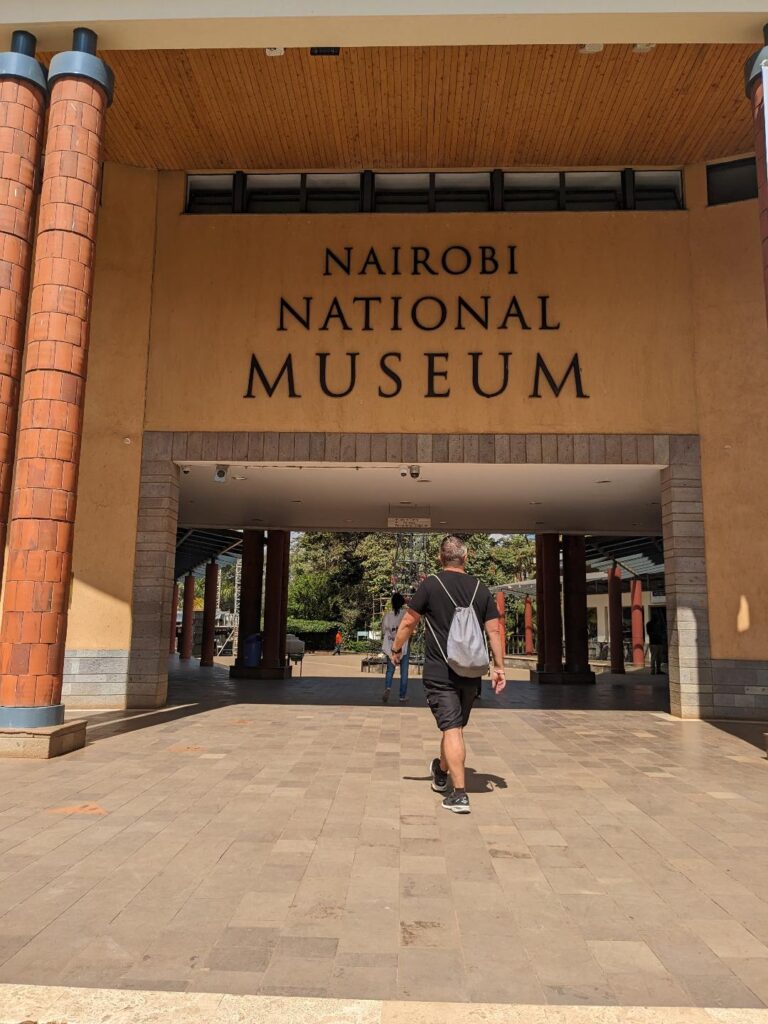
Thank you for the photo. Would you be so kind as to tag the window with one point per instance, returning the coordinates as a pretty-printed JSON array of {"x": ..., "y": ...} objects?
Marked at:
[
  {"x": 463, "y": 191},
  {"x": 273, "y": 193},
  {"x": 210, "y": 193},
  {"x": 532, "y": 190},
  {"x": 731, "y": 182},
  {"x": 658, "y": 190},
  {"x": 593, "y": 190},
  {"x": 333, "y": 193},
  {"x": 459, "y": 191},
  {"x": 401, "y": 193}
]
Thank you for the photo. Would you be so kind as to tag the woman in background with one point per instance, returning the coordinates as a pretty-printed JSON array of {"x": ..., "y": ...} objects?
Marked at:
[{"x": 389, "y": 626}]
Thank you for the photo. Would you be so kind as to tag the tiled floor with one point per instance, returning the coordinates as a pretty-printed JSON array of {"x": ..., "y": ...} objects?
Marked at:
[{"x": 282, "y": 839}]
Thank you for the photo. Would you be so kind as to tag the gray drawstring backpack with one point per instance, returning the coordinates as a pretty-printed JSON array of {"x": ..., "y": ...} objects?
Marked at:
[{"x": 466, "y": 653}]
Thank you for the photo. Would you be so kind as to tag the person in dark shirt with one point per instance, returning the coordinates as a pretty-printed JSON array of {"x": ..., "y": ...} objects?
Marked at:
[
  {"x": 656, "y": 635},
  {"x": 450, "y": 696}
]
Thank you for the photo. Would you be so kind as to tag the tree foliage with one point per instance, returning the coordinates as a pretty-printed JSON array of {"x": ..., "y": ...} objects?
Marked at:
[{"x": 348, "y": 578}]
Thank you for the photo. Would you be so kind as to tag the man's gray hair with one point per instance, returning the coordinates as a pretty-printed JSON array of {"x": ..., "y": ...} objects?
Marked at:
[{"x": 453, "y": 551}]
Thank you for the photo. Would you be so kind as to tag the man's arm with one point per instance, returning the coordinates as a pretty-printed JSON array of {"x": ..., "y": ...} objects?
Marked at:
[
  {"x": 498, "y": 678},
  {"x": 407, "y": 625}
]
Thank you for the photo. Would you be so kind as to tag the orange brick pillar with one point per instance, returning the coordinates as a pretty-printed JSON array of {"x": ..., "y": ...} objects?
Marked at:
[
  {"x": 284, "y": 599},
  {"x": 187, "y": 618},
  {"x": 23, "y": 95},
  {"x": 615, "y": 619},
  {"x": 638, "y": 625},
  {"x": 753, "y": 81},
  {"x": 38, "y": 577},
  {"x": 208, "y": 647},
  {"x": 528, "y": 625},
  {"x": 174, "y": 616}
]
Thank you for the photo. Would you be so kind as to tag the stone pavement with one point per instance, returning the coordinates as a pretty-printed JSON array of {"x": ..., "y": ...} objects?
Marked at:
[{"x": 282, "y": 840}]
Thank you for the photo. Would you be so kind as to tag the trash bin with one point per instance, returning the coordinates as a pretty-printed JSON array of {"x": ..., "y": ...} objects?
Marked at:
[{"x": 252, "y": 651}]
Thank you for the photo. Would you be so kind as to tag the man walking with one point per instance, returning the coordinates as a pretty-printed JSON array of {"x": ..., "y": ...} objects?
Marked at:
[
  {"x": 450, "y": 696},
  {"x": 338, "y": 640}
]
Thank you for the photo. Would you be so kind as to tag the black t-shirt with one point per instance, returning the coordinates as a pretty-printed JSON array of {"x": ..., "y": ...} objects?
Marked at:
[{"x": 432, "y": 601}]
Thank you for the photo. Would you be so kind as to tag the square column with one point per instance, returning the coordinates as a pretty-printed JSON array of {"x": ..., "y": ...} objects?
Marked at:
[
  {"x": 208, "y": 647},
  {"x": 575, "y": 610},
  {"x": 273, "y": 655},
  {"x": 251, "y": 590},
  {"x": 187, "y": 618},
  {"x": 615, "y": 620},
  {"x": 549, "y": 570}
]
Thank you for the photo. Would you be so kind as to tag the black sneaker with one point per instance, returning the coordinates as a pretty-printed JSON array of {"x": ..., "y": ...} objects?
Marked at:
[
  {"x": 457, "y": 802},
  {"x": 439, "y": 777}
]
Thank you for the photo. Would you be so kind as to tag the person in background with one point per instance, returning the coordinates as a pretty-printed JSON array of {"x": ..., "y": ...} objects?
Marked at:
[
  {"x": 338, "y": 641},
  {"x": 389, "y": 626},
  {"x": 655, "y": 631}
]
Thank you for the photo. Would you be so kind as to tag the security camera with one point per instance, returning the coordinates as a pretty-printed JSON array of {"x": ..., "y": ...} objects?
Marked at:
[
  {"x": 221, "y": 474},
  {"x": 403, "y": 472},
  {"x": 415, "y": 472},
  {"x": 186, "y": 470}
]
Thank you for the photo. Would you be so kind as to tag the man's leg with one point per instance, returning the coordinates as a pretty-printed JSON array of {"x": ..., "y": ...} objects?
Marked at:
[
  {"x": 389, "y": 673},
  {"x": 453, "y": 755}
]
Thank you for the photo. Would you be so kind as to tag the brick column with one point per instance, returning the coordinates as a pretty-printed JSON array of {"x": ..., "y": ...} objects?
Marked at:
[
  {"x": 638, "y": 623},
  {"x": 753, "y": 81},
  {"x": 540, "y": 622},
  {"x": 38, "y": 577},
  {"x": 174, "y": 615},
  {"x": 528, "y": 625},
  {"x": 187, "y": 618},
  {"x": 553, "y": 637},
  {"x": 575, "y": 610},
  {"x": 210, "y": 602},
  {"x": 615, "y": 619},
  {"x": 23, "y": 95},
  {"x": 273, "y": 600},
  {"x": 251, "y": 587}
]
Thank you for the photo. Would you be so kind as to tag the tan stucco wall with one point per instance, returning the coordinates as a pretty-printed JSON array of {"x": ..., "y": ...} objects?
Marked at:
[
  {"x": 732, "y": 384},
  {"x": 108, "y": 491},
  {"x": 666, "y": 311},
  {"x": 618, "y": 283}
]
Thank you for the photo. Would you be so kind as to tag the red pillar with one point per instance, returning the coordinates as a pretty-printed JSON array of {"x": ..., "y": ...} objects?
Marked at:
[
  {"x": 553, "y": 638},
  {"x": 540, "y": 620},
  {"x": 273, "y": 599},
  {"x": 528, "y": 622},
  {"x": 501, "y": 608},
  {"x": 187, "y": 617},
  {"x": 638, "y": 624},
  {"x": 251, "y": 587},
  {"x": 23, "y": 95},
  {"x": 753, "y": 81},
  {"x": 209, "y": 614},
  {"x": 174, "y": 613},
  {"x": 575, "y": 608},
  {"x": 38, "y": 575},
  {"x": 615, "y": 619}
]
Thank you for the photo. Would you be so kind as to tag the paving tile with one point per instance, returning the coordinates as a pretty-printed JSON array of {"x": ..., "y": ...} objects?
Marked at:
[{"x": 605, "y": 862}]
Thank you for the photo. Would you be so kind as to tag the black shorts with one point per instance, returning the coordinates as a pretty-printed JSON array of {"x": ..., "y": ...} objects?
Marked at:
[{"x": 451, "y": 703}]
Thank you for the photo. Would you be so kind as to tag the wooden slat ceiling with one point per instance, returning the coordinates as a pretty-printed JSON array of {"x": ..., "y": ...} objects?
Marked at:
[{"x": 428, "y": 107}]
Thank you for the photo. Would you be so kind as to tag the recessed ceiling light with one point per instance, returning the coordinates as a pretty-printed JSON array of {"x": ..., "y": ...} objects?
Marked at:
[
  {"x": 591, "y": 48},
  {"x": 274, "y": 51},
  {"x": 443, "y": 522},
  {"x": 643, "y": 47},
  {"x": 324, "y": 51},
  {"x": 238, "y": 477},
  {"x": 423, "y": 481},
  {"x": 534, "y": 502},
  {"x": 603, "y": 481},
  {"x": 295, "y": 501}
]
